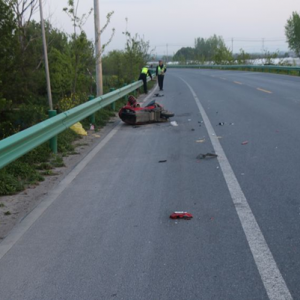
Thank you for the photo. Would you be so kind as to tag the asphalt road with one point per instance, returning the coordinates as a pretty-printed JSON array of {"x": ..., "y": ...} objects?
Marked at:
[{"x": 106, "y": 233}]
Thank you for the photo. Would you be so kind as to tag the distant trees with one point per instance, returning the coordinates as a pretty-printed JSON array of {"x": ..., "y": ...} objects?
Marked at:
[
  {"x": 184, "y": 54},
  {"x": 212, "y": 49},
  {"x": 292, "y": 32}
]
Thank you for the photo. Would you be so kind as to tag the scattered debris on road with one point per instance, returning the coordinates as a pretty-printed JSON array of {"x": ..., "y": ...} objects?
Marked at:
[
  {"x": 174, "y": 123},
  {"x": 200, "y": 141},
  {"x": 192, "y": 129},
  {"x": 162, "y": 161},
  {"x": 245, "y": 143},
  {"x": 181, "y": 215},
  {"x": 207, "y": 155},
  {"x": 221, "y": 123},
  {"x": 158, "y": 95}
]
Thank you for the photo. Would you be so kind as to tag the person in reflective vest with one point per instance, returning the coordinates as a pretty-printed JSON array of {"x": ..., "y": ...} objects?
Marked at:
[
  {"x": 143, "y": 76},
  {"x": 160, "y": 73}
]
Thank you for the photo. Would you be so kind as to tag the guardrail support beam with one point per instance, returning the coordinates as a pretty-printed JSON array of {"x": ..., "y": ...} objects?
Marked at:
[
  {"x": 126, "y": 96},
  {"x": 53, "y": 141},
  {"x": 113, "y": 105},
  {"x": 92, "y": 117},
  {"x": 134, "y": 92}
]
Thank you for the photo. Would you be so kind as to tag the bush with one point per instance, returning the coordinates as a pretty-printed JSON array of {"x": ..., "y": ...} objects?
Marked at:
[{"x": 9, "y": 184}]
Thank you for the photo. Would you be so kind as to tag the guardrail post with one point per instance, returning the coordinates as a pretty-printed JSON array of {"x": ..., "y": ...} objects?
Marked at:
[
  {"x": 113, "y": 105},
  {"x": 53, "y": 141},
  {"x": 126, "y": 96},
  {"x": 92, "y": 117},
  {"x": 134, "y": 92}
]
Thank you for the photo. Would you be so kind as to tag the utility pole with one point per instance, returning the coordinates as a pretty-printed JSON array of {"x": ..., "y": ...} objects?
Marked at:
[
  {"x": 46, "y": 58},
  {"x": 99, "y": 82},
  {"x": 232, "y": 45},
  {"x": 167, "y": 54}
]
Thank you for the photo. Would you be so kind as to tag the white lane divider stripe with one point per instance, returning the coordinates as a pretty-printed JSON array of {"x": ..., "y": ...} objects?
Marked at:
[{"x": 272, "y": 279}]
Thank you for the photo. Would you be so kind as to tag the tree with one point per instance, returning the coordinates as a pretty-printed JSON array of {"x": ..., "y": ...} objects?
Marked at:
[
  {"x": 7, "y": 46},
  {"x": 243, "y": 58},
  {"x": 292, "y": 32},
  {"x": 137, "y": 53},
  {"x": 187, "y": 52},
  {"x": 211, "y": 49}
]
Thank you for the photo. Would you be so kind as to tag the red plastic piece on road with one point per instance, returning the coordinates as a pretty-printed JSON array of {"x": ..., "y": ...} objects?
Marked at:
[
  {"x": 181, "y": 215},
  {"x": 245, "y": 143}
]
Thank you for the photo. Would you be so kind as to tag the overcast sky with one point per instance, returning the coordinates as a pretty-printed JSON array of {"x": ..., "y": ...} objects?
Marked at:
[{"x": 251, "y": 24}]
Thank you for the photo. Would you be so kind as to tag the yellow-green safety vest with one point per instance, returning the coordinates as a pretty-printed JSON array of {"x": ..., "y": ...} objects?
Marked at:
[
  {"x": 145, "y": 71},
  {"x": 160, "y": 70}
]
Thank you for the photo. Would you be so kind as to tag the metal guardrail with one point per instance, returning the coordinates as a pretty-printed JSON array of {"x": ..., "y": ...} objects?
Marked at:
[
  {"x": 264, "y": 68},
  {"x": 20, "y": 143}
]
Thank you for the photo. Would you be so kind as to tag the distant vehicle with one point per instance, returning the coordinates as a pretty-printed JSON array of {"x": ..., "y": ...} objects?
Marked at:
[{"x": 133, "y": 114}]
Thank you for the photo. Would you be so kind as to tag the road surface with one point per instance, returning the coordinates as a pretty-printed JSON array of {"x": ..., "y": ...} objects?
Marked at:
[{"x": 105, "y": 232}]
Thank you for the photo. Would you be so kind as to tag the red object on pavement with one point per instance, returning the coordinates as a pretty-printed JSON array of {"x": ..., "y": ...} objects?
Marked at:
[
  {"x": 133, "y": 114},
  {"x": 181, "y": 215},
  {"x": 245, "y": 143}
]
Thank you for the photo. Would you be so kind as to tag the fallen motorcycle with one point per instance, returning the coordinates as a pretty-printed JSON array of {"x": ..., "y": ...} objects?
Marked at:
[{"x": 133, "y": 114}]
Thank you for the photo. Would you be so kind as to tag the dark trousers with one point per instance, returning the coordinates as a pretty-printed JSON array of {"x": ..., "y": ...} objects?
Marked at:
[
  {"x": 144, "y": 78},
  {"x": 161, "y": 81}
]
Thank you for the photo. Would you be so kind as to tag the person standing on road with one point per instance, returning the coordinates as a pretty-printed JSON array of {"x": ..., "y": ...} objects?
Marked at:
[
  {"x": 160, "y": 73},
  {"x": 143, "y": 76}
]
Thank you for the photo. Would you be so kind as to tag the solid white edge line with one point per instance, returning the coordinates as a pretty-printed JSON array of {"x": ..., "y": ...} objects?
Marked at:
[{"x": 272, "y": 279}]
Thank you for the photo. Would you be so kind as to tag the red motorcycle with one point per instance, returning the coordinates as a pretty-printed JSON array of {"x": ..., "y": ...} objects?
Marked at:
[{"x": 133, "y": 114}]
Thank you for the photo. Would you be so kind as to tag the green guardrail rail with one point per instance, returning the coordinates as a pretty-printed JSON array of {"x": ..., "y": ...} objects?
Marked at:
[
  {"x": 22, "y": 142},
  {"x": 264, "y": 68}
]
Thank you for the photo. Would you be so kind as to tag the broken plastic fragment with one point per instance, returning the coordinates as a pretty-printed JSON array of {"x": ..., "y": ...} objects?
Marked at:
[
  {"x": 207, "y": 155},
  {"x": 162, "y": 161},
  {"x": 174, "y": 123},
  {"x": 200, "y": 141},
  {"x": 181, "y": 215},
  {"x": 245, "y": 143},
  {"x": 222, "y": 123}
]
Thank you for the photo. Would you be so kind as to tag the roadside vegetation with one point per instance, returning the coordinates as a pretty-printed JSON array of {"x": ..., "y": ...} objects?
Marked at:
[{"x": 23, "y": 90}]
